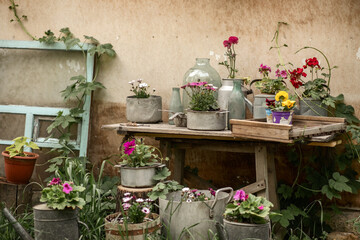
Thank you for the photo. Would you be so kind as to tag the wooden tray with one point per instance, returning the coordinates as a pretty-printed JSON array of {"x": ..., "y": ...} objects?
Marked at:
[{"x": 303, "y": 126}]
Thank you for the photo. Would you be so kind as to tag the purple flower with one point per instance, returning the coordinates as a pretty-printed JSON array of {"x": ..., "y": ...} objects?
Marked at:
[
  {"x": 194, "y": 190},
  {"x": 126, "y": 206},
  {"x": 129, "y": 147},
  {"x": 55, "y": 181},
  {"x": 240, "y": 195},
  {"x": 261, "y": 207},
  {"x": 282, "y": 73},
  {"x": 126, "y": 199},
  {"x": 145, "y": 210},
  {"x": 212, "y": 191},
  {"x": 67, "y": 188}
]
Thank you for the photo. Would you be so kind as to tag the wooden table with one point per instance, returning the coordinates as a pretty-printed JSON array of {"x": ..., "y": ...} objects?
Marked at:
[{"x": 176, "y": 140}]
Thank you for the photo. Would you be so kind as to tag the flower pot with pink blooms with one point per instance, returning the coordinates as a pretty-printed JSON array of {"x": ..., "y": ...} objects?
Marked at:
[
  {"x": 57, "y": 217},
  {"x": 135, "y": 221},
  {"x": 268, "y": 87},
  {"x": 139, "y": 164},
  {"x": 247, "y": 216},
  {"x": 281, "y": 108}
]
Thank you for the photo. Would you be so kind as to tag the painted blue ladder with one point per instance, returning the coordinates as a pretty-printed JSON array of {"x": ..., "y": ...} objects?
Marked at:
[{"x": 33, "y": 113}]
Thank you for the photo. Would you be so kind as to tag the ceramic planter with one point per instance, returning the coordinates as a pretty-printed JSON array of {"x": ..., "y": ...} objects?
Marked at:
[
  {"x": 55, "y": 224},
  {"x": 198, "y": 216},
  {"x": 284, "y": 118},
  {"x": 269, "y": 116},
  {"x": 206, "y": 120},
  {"x": 115, "y": 229},
  {"x": 311, "y": 107},
  {"x": 144, "y": 110},
  {"x": 139, "y": 177},
  {"x": 18, "y": 169},
  {"x": 235, "y": 230}
]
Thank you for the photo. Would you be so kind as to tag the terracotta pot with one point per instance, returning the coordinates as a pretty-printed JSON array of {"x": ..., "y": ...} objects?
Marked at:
[{"x": 18, "y": 169}]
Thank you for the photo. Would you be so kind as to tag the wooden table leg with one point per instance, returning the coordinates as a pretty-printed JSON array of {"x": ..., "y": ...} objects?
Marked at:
[
  {"x": 261, "y": 168},
  {"x": 179, "y": 162},
  {"x": 272, "y": 184}
]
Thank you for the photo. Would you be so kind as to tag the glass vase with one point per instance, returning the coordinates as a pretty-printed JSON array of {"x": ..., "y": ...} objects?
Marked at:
[
  {"x": 175, "y": 103},
  {"x": 236, "y": 104},
  {"x": 203, "y": 72}
]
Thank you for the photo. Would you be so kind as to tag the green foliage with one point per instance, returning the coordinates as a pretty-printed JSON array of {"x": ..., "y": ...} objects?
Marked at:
[
  {"x": 17, "y": 148},
  {"x": 316, "y": 89},
  {"x": 162, "y": 188},
  {"x": 135, "y": 214},
  {"x": 57, "y": 198},
  {"x": 48, "y": 38},
  {"x": 202, "y": 96},
  {"x": 271, "y": 86}
]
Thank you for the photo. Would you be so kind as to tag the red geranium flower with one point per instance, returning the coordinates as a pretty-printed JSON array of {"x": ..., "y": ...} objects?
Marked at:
[
  {"x": 227, "y": 44},
  {"x": 233, "y": 40},
  {"x": 312, "y": 62}
]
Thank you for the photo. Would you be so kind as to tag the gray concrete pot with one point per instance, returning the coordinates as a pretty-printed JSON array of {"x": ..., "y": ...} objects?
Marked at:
[
  {"x": 55, "y": 224},
  {"x": 138, "y": 177},
  {"x": 206, "y": 120},
  {"x": 239, "y": 231},
  {"x": 144, "y": 110},
  {"x": 311, "y": 107},
  {"x": 177, "y": 215}
]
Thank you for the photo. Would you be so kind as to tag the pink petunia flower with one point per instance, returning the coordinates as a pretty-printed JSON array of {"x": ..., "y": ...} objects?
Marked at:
[
  {"x": 129, "y": 147},
  {"x": 55, "y": 181},
  {"x": 239, "y": 195},
  {"x": 67, "y": 188},
  {"x": 261, "y": 207}
]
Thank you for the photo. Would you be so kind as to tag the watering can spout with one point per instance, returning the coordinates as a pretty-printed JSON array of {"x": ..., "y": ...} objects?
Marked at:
[
  {"x": 17, "y": 226},
  {"x": 249, "y": 105}
]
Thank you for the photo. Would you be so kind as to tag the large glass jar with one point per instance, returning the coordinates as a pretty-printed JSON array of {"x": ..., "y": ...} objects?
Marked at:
[{"x": 203, "y": 72}]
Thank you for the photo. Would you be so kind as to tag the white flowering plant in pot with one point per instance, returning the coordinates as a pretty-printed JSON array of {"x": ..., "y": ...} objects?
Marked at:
[{"x": 142, "y": 106}]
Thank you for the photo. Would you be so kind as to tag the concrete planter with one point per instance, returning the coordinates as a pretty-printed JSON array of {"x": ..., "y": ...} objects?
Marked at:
[
  {"x": 235, "y": 230},
  {"x": 206, "y": 120},
  {"x": 311, "y": 107},
  {"x": 144, "y": 110}
]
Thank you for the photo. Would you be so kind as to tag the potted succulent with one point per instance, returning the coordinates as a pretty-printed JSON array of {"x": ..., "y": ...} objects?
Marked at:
[
  {"x": 139, "y": 163},
  {"x": 268, "y": 88},
  {"x": 19, "y": 165},
  {"x": 143, "y": 107},
  {"x": 204, "y": 112},
  {"x": 247, "y": 217},
  {"x": 191, "y": 213},
  {"x": 282, "y": 108},
  {"x": 135, "y": 220},
  {"x": 315, "y": 91},
  {"x": 56, "y": 218}
]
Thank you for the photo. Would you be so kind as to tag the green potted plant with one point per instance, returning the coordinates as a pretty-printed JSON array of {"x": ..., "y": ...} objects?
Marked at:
[
  {"x": 315, "y": 91},
  {"x": 142, "y": 106},
  {"x": 204, "y": 112},
  {"x": 19, "y": 165},
  {"x": 268, "y": 88},
  {"x": 56, "y": 218},
  {"x": 139, "y": 163},
  {"x": 281, "y": 108},
  {"x": 247, "y": 217},
  {"x": 135, "y": 221}
]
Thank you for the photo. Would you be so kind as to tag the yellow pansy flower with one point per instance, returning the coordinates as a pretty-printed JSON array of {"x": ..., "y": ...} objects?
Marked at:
[
  {"x": 288, "y": 103},
  {"x": 282, "y": 94}
]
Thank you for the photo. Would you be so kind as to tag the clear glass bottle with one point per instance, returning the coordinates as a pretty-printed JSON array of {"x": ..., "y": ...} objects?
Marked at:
[
  {"x": 203, "y": 72},
  {"x": 175, "y": 103},
  {"x": 236, "y": 105}
]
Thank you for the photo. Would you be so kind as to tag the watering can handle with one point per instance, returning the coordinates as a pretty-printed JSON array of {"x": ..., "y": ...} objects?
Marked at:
[{"x": 226, "y": 189}]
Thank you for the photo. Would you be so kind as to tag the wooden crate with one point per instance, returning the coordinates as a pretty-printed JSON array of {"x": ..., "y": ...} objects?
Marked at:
[{"x": 303, "y": 126}]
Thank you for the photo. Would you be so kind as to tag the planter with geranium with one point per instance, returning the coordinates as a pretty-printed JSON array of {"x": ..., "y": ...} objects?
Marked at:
[
  {"x": 139, "y": 164},
  {"x": 268, "y": 88},
  {"x": 143, "y": 107},
  {"x": 315, "y": 91},
  {"x": 135, "y": 221},
  {"x": 192, "y": 213},
  {"x": 19, "y": 165},
  {"x": 247, "y": 217},
  {"x": 282, "y": 108},
  {"x": 57, "y": 217},
  {"x": 204, "y": 112}
]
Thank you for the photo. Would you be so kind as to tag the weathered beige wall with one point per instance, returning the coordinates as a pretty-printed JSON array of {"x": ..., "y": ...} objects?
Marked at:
[{"x": 159, "y": 41}]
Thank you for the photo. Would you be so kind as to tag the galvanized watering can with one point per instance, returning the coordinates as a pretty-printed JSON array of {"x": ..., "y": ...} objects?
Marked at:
[{"x": 182, "y": 219}]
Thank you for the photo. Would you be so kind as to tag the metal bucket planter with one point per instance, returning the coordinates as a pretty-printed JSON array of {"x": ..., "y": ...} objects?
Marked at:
[
  {"x": 206, "y": 120},
  {"x": 260, "y": 105},
  {"x": 138, "y": 177},
  {"x": 115, "y": 230},
  {"x": 55, "y": 224},
  {"x": 194, "y": 220},
  {"x": 144, "y": 110},
  {"x": 311, "y": 107},
  {"x": 240, "y": 231}
]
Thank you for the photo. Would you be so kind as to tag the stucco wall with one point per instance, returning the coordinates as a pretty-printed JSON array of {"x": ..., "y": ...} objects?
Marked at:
[{"x": 159, "y": 41}]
